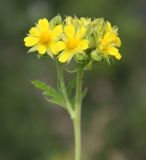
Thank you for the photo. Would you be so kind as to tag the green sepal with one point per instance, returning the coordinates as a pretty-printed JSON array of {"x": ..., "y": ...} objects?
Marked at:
[
  {"x": 50, "y": 53},
  {"x": 33, "y": 49},
  {"x": 107, "y": 59}
]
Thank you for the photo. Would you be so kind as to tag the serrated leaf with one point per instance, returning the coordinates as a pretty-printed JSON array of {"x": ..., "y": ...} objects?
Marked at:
[
  {"x": 57, "y": 100},
  {"x": 48, "y": 91},
  {"x": 51, "y": 94}
]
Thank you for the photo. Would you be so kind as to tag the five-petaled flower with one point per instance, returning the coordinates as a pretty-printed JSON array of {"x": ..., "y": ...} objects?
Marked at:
[
  {"x": 74, "y": 42},
  {"x": 44, "y": 39},
  {"x": 109, "y": 42}
]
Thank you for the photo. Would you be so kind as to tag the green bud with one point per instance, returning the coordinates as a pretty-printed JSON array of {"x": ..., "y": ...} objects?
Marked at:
[
  {"x": 55, "y": 21},
  {"x": 81, "y": 58},
  {"x": 96, "y": 56}
]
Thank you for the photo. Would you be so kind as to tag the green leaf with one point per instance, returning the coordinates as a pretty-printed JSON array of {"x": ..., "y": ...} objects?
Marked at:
[
  {"x": 57, "y": 100},
  {"x": 51, "y": 94},
  {"x": 43, "y": 86}
]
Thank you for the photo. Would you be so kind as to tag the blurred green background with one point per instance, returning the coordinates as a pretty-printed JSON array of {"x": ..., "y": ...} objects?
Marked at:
[{"x": 114, "y": 111}]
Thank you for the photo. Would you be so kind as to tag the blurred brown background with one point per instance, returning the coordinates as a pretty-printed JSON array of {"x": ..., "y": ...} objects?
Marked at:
[{"x": 114, "y": 111}]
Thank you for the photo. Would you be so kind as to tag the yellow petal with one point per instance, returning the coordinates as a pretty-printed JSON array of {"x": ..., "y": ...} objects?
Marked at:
[
  {"x": 65, "y": 56},
  {"x": 57, "y": 47},
  {"x": 30, "y": 41},
  {"x": 114, "y": 52},
  {"x": 34, "y": 32},
  {"x": 118, "y": 42},
  {"x": 56, "y": 32},
  {"x": 69, "y": 31},
  {"x": 81, "y": 32},
  {"x": 83, "y": 44},
  {"x": 43, "y": 24},
  {"x": 42, "y": 49},
  {"x": 108, "y": 38}
]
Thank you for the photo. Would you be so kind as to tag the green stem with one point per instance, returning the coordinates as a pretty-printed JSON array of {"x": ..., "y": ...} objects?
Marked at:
[
  {"x": 76, "y": 112},
  {"x": 77, "y": 119},
  {"x": 63, "y": 89}
]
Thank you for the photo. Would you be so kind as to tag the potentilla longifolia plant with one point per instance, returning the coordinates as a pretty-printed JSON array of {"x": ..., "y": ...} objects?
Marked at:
[{"x": 81, "y": 40}]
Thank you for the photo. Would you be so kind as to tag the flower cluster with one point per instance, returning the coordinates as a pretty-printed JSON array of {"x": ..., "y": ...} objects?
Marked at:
[{"x": 81, "y": 38}]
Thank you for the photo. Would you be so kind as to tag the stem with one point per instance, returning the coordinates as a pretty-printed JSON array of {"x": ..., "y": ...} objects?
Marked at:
[
  {"x": 76, "y": 112},
  {"x": 63, "y": 89},
  {"x": 77, "y": 119}
]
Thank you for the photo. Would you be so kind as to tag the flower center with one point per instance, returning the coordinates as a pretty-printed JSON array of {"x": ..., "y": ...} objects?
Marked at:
[
  {"x": 45, "y": 37},
  {"x": 72, "y": 43}
]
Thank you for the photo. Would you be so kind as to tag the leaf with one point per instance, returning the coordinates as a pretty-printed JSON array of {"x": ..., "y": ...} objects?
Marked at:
[
  {"x": 71, "y": 86},
  {"x": 57, "y": 100},
  {"x": 51, "y": 94},
  {"x": 43, "y": 86}
]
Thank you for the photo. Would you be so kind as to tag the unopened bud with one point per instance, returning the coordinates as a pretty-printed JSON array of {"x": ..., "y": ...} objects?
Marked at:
[{"x": 96, "y": 56}]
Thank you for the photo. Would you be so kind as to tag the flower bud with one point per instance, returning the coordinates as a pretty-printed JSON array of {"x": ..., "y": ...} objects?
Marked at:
[
  {"x": 81, "y": 57},
  {"x": 55, "y": 21},
  {"x": 96, "y": 56}
]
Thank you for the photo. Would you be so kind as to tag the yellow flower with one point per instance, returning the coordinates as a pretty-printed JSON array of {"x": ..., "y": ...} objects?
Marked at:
[
  {"x": 74, "y": 42},
  {"x": 44, "y": 39},
  {"x": 109, "y": 42}
]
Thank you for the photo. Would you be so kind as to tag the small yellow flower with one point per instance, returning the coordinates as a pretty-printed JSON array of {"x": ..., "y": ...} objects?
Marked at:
[
  {"x": 109, "y": 42},
  {"x": 74, "y": 42},
  {"x": 44, "y": 39}
]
